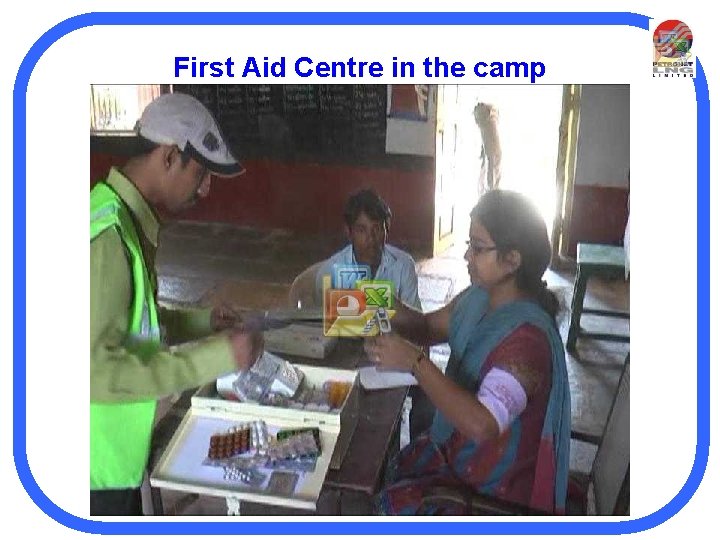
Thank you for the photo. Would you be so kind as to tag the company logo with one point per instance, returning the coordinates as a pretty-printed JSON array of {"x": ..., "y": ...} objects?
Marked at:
[
  {"x": 350, "y": 311},
  {"x": 672, "y": 41},
  {"x": 211, "y": 142}
]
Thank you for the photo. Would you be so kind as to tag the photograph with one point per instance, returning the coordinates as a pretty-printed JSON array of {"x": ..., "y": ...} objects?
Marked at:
[
  {"x": 360, "y": 299},
  {"x": 358, "y": 270}
]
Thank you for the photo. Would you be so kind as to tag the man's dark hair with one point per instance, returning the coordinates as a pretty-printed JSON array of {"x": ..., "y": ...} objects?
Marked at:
[
  {"x": 143, "y": 147},
  {"x": 371, "y": 204}
]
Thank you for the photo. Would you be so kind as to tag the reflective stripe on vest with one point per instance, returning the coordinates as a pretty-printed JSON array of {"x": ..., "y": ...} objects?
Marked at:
[{"x": 120, "y": 433}]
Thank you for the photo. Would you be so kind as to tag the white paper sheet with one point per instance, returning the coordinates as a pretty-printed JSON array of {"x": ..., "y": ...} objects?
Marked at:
[{"x": 372, "y": 379}]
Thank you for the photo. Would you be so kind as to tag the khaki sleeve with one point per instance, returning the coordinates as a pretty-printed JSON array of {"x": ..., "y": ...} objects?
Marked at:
[
  {"x": 119, "y": 373},
  {"x": 183, "y": 325}
]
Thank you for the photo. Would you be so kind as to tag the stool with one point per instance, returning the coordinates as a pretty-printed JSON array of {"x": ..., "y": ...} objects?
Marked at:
[{"x": 595, "y": 260}]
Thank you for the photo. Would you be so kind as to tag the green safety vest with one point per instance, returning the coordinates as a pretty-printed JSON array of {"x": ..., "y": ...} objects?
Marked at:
[{"x": 120, "y": 433}]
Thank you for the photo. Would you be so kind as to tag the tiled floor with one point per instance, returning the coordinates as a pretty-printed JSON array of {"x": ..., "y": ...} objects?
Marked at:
[{"x": 255, "y": 268}]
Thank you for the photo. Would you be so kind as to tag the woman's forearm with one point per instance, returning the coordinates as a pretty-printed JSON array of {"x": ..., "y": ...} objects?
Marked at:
[
  {"x": 459, "y": 406},
  {"x": 411, "y": 324},
  {"x": 423, "y": 328}
]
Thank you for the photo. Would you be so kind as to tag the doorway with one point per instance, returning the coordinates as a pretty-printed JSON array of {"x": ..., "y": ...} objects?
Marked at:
[{"x": 529, "y": 121}]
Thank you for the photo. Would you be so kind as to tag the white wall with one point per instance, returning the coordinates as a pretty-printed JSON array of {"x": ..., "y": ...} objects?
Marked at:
[
  {"x": 603, "y": 157},
  {"x": 411, "y": 136}
]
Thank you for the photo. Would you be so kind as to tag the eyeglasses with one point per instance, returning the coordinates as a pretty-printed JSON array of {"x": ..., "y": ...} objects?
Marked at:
[{"x": 479, "y": 250}]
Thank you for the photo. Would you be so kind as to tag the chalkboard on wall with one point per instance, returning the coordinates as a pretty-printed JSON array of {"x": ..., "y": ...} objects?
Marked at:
[{"x": 325, "y": 123}]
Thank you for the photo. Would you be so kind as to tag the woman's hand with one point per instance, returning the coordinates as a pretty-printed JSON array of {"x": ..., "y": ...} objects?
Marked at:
[{"x": 391, "y": 352}]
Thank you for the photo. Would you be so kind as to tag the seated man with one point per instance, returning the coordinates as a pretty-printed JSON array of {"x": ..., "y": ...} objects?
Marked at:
[{"x": 367, "y": 222}]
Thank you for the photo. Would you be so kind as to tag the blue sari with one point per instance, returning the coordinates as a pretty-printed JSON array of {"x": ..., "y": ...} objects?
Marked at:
[{"x": 474, "y": 334}]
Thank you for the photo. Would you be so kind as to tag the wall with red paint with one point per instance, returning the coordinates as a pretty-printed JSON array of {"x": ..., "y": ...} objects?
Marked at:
[
  {"x": 308, "y": 198},
  {"x": 599, "y": 215},
  {"x": 602, "y": 172}
]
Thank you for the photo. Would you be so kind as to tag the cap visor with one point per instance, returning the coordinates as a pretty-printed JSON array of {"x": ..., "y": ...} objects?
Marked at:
[{"x": 225, "y": 170}]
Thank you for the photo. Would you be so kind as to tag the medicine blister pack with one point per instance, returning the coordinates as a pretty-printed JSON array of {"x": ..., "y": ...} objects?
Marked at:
[{"x": 271, "y": 375}]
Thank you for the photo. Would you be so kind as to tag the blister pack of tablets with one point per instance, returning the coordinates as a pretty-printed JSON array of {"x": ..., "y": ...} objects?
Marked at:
[
  {"x": 271, "y": 377},
  {"x": 242, "y": 442},
  {"x": 297, "y": 452}
]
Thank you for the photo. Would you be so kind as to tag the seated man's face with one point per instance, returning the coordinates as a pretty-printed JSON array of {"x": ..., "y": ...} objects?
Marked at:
[{"x": 368, "y": 239}]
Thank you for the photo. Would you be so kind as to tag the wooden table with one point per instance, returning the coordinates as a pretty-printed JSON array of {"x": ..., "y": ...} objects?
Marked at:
[
  {"x": 375, "y": 440},
  {"x": 377, "y": 435}
]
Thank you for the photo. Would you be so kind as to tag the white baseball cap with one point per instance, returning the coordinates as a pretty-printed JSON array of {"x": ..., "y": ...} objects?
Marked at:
[{"x": 181, "y": 120}]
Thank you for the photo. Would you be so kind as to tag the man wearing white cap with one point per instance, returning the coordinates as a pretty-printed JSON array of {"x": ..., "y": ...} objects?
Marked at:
[{"x": 180, "y": 145}]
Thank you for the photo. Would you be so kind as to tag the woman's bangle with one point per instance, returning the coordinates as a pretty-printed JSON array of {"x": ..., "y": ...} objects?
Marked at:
[{"x": 418, "y": 361}]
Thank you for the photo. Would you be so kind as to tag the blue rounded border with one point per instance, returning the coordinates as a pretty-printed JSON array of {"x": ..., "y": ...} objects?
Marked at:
[{"x": 335, "y": 528}]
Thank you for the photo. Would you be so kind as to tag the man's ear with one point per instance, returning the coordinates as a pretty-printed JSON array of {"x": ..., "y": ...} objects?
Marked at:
[
  {"x": 168, "y": 154},
  {"x": 348, "y": 232}
]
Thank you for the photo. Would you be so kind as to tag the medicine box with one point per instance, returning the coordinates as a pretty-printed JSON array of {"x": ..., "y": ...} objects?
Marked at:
[{"x": 181, "y": 465}]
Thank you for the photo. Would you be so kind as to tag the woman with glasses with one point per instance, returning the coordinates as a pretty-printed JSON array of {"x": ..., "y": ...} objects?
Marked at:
[{"x": 502, "y": 421}]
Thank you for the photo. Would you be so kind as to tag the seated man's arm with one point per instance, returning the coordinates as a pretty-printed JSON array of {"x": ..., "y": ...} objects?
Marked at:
[{"x": 409, "y": 286}]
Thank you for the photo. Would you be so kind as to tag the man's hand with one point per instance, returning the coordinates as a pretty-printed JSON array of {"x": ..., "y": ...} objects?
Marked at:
[
  {"x": 223, "y": 317},
  {"x": 247, "y": 348}
]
